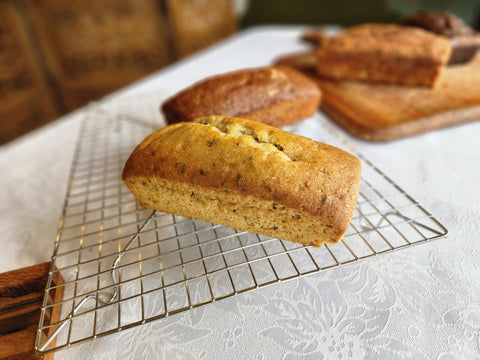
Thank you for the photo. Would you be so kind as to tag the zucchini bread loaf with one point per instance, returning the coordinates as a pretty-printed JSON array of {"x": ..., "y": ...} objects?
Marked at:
[
  {"x": 276, "y": 96},
  {"x": 384, "y": 53},
  {"x": 247, "y": 175}
]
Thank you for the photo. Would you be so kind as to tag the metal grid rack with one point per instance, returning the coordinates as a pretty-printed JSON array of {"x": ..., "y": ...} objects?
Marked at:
[{"x": 123, "y": 265}]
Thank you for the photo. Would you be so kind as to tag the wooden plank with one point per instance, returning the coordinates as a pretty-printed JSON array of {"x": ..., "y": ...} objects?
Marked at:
[
  {"x": 19, "y": 345},
  {"x": 21, "y": 297},
  {"x": 17, "y": 313},
  {"x": 24, "y": 281}
]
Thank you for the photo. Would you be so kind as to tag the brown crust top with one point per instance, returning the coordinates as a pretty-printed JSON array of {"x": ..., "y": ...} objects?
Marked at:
[
  {"x": 391, "y": 39},
  {"x": 232, "y": 154},
  {"x": 384, "y": 53},
  {"x": 272, "y": 95}
]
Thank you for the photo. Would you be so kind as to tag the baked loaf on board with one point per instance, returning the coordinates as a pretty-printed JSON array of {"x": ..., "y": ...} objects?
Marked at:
[
  {"x": 249, "y": 176},
  {"x": 384, "y": 112},
  {"x": 276, "y": 96},
  {"x": 384, "y": 53}
]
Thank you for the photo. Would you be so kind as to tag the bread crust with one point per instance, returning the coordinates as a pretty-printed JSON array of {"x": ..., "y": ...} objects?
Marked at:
[
  {"x": 234, "y": 163},
  {"x": 384, "y": 53},
  {"x": 276, "y": 96}
]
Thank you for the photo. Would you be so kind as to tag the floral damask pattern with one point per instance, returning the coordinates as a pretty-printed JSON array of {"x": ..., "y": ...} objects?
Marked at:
[
  {"x": 386, "y": 308},
  {"x": 315, "y": 323}
]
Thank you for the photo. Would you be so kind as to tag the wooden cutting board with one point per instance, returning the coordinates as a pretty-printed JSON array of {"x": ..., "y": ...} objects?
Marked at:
[
  {"x": 21, "y": 298},
  {"x": 378, "y": 112}
]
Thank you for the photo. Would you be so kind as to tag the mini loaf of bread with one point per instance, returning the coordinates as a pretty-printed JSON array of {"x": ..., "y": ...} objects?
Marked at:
[
  {"x": 276, "y": 96},
  {"x": 384, "y": 53},
  {"x": 249, "y": 176}
]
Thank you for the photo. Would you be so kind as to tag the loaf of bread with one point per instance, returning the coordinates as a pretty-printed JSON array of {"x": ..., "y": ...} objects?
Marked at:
[
  {"x": 384, "y": 53},
  {"x": 465, "y": 40},
  {"x": 249, "y": 176},
  {"x": 276, "y": 96}
]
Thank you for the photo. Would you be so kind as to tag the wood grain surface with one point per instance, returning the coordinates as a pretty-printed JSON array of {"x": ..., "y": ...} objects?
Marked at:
[{"x": 21, "y": 297}]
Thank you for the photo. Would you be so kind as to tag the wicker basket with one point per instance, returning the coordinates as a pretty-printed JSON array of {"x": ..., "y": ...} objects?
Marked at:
[
  {"x": 94, "y": 47},
  {"x": 25, "y": 99},
  {"x": 58, "y": 55},
  {"x": 196, "y": 24}
]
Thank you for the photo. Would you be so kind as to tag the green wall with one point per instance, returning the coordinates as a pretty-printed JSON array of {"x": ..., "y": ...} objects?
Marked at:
[{"x": 350, "y": 12}]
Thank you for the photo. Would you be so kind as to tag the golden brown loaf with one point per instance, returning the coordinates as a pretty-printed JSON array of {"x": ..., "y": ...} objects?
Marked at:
[
  {"x": 273, "y": 95},
  {"x": 247, "y": 175},
  {"x": 384, "y": 53}
]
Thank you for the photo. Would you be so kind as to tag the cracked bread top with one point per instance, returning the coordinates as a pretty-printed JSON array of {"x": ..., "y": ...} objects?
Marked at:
[
  {"x": 244, "y": 156},
  {"x": 273, "y": 95}
]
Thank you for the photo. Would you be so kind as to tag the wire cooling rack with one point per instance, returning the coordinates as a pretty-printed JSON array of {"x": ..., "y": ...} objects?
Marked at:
[{"x": 123, "y": 265}]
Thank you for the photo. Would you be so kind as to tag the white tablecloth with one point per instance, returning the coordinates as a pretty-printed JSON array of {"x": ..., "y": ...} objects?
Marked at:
[{"x": 418, "y": 303}]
